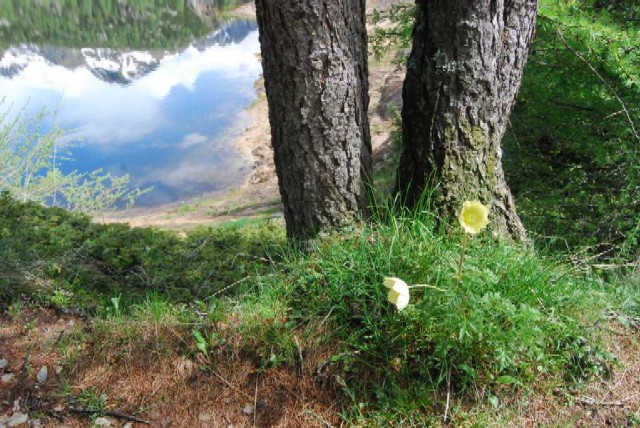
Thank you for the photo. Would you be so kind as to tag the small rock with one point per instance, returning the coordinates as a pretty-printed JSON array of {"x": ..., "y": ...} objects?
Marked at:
[
  {"x": 248, "y": 409},
  {"x": 206, "y": 417},
  {"x": 6, "y": 378},
  {"x": 58, "y": 370},
  {"x": 128, "y": 425},
  {"x": 58, "y": 409},
  {"x": 102, "y": 422},
  {"x": 18, "y": 419},
  {"x": 35, "y": 423},
  {"x": 42, "y": 375},
  {"x": 3, "y": 363}
]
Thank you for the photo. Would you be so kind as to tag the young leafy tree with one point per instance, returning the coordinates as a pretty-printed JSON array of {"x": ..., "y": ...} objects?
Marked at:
[
  {"x": 463, "y": 75},
  {"x": 314, "y": 57},
  {"x": 30, "y": 169}
]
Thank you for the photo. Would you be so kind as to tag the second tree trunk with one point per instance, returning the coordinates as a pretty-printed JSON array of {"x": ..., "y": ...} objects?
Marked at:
[{"x": 462, "y": 78}]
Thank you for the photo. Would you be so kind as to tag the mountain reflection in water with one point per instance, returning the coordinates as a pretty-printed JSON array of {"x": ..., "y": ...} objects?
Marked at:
[{"x": 166, "y": 117}]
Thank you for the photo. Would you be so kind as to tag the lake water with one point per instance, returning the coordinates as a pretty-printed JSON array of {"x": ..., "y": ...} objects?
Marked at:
[{"x": 154, "y": 89}]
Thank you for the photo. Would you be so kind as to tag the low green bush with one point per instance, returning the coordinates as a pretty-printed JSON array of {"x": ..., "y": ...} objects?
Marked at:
[
  {"x": 514, "y": 317},
  {"x": 46, "y": 249}
]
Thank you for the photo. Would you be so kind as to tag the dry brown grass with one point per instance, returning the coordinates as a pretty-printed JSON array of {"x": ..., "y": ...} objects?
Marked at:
[
  {"x": 602, "y": 403},
  {"x": 151, "y": 373}
]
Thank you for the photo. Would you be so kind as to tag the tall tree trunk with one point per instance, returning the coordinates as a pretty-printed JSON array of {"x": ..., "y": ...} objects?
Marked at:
[
  {"x": 314, "y": 57},
  {"x": 463, "y": 75}
]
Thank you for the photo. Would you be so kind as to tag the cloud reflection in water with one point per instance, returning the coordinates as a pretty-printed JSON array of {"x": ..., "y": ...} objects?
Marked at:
[{"x": 171, "y": 126}]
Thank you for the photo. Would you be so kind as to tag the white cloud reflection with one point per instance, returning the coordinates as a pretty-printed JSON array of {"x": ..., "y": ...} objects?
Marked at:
[
  {"x": 107, "y": 113},
  {"x": 194, "y": 175},
  {"x": 237, "y": 60},
  {"x": 192, "y": 140}
]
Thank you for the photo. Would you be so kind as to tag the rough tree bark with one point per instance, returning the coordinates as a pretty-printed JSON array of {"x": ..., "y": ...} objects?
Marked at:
[
  {"x": 463, "y": 75},
  {"x": 314, "y": 58}
]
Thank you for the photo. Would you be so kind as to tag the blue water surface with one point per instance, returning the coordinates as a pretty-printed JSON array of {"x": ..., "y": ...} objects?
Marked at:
[{"x": 169, "y": 119}]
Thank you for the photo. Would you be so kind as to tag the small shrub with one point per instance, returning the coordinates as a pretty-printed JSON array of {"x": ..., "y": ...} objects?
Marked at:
[
  {"x": 513, "y": 318},
  {"x": 47, "y": 249}
]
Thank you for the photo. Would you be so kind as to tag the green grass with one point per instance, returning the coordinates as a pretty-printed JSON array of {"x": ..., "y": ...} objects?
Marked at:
[
  {"x": 62, "y": 258},
  {"x": 571, "y": 157},
  {"x": 515, "y": 317}
]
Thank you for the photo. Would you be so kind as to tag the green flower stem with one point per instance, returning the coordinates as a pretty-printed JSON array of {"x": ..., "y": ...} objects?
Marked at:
[
  {"x": 426, "y": 286},
  {"x": 464, "y": 248}
]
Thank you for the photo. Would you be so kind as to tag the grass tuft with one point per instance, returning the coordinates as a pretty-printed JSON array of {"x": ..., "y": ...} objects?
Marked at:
[{"x": 515, "y": 317}]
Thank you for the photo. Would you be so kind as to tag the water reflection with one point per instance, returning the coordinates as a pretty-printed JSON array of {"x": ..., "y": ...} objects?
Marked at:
[{"x": 166, "y": 117}]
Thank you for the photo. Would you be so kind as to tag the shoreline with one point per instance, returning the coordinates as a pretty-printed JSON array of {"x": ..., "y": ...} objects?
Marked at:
[
  {"x": 257, "y": 197},
  {"x": 257, "y": 193}
]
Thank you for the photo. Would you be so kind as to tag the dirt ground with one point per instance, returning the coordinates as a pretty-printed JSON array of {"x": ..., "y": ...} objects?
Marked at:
[{"x": 149, "y": 378}]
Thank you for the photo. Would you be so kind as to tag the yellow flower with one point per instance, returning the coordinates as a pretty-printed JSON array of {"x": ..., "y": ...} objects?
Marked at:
[
  {"x": 474, "y": 217},
  {"x": 398, "y": 292},
  {"x": 396, "y": 364}
]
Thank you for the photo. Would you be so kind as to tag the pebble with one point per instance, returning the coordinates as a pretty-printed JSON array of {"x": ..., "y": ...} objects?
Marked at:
[
  {"x": 248, "y": 409},
  {"x": 128, "y": 425},
  {"x": 6, "y": 378},
  {"x": 18, "y": 419},
  {"x": 3, "y": 363},
  {"x": 206, "y": 417},
  {"x": 102, "y": 422},
  {"x": 261, "y": 404},
  {"x": 42, "y": 375}
]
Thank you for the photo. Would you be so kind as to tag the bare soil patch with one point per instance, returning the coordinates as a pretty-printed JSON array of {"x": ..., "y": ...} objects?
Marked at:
[{"x": 612, "y": 402}]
